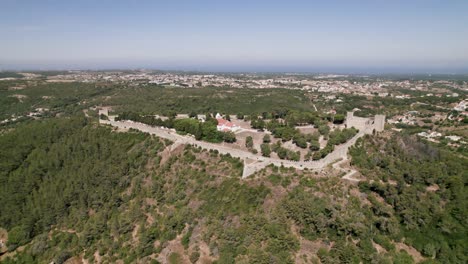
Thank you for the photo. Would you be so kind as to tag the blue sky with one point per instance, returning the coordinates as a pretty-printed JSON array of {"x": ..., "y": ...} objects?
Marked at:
[{"x": 374, "y": 35}]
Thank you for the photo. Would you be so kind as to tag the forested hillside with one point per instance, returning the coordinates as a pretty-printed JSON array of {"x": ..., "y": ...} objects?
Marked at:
[
  {"x": 59, "y": 172},
  {"x": 420, "y": 188},
  {"x": 74, "y": 191}
]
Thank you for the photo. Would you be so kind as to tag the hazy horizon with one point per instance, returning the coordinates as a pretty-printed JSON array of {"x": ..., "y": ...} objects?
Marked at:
[
  {"x": 265, "y": 36},
  {"x": 241, "y": 69}
]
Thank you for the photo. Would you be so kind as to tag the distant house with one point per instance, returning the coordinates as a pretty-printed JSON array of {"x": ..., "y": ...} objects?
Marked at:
[
  {"x": 462, "y": 106},
  {"x": 225, "y": 125},
  {"x": 454, "y": 138},
  {"x": 429, "y": 134}
]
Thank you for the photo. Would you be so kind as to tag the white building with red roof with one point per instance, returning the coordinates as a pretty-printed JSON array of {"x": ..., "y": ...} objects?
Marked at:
[{"x": 225, "y": 125}]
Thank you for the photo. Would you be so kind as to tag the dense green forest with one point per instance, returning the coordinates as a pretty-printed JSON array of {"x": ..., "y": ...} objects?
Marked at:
[
  {"x": 60, "y": 169},
  {"x": 20, "y": 98},
  {"x": 155, "y": 99}
]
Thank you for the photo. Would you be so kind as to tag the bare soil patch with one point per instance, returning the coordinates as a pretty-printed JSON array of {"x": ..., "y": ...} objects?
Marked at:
[
  {"x": 272, "y": 199},
  {"x": 307, "y": 129},
  {"x": 432, "y": 188},
  {"x": 242, "y": 137},
  {"x": 135, "y": 233},
  {"x": 168, "y": 152},
  {"x": 379, "y": 248},
  {"x": 19, "y": 87},
  {"x": 97, "y": 257},
  {"x": 74, "y": 260},
  {"x": 410, "y": 250},
  {"x": 241, "y": 123},
  {"x": 20, "y": 97},
  {"x": 174, "y": 246},
  {"x": 308, "y": 249}
]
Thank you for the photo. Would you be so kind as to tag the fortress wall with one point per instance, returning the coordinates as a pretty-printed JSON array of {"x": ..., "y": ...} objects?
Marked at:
[
  {"x": 365, "y": 126},
  {"x": 356, "y": 122}
]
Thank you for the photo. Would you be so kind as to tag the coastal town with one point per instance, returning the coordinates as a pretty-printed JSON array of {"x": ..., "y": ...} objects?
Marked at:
[{"x": 366, "y": 85}]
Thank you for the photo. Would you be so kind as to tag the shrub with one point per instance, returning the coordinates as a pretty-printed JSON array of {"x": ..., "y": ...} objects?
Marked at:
[
  {"x": 265, "y": 148},
  {"x": 249, "y": 142},
  {"x": 194, "y": 256}
]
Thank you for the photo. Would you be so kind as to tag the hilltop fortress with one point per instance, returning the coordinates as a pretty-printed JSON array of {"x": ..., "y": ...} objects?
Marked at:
[{"x": 252, "y": 162}]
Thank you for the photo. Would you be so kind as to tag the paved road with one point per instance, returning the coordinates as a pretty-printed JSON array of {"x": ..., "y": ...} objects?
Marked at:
[{"x": 340, "y": 151}]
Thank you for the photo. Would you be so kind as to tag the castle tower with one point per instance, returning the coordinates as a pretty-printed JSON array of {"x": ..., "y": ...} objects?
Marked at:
[
  {"x": 349, "y": 119},
  {"x": 379, "y": 123}
]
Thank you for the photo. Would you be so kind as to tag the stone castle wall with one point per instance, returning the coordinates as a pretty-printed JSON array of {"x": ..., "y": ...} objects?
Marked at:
[{"x": 367, "y": 125}]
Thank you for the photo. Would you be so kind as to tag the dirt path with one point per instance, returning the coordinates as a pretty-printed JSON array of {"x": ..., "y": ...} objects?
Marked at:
[{"x": 349, "y": 172}]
